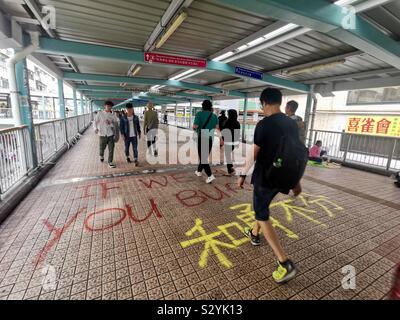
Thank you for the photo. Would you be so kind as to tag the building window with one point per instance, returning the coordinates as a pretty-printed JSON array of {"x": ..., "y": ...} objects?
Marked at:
[
  {"x": 374, "y": 96},
  {"x": 4, "y": 83}
]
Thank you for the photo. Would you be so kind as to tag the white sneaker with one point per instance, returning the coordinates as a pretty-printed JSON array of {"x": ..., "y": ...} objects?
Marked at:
[
  {"x": 198, "y": 173},
  {"x": 210, "y": 179}
]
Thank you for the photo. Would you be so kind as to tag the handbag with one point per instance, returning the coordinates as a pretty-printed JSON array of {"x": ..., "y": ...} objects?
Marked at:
[{"x": 196, "y": 132}]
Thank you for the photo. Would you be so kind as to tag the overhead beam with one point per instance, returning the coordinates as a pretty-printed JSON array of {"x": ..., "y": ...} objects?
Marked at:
[
  {"x": 353, "y": 75},
  {"x": 358, "y": 85},
  {"x": 327, "y": 18},
  {"x": 133, "y": 80},
  {"x": 78, "y": 49},
  {"x": 121, "y": 89}
]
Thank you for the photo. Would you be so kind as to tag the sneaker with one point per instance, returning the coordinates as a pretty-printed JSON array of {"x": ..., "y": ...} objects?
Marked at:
[
  {"x": 197, "y": 173},
  {"x": 136, "y": 163},
  {"x": 128, "y": 160},
  {"x": 155, "y": 153},
  {"x": 101, "y": 159},
  {"x": 284, "y": 272},
  {"x": 210, "y": 179},
  {"x": 112, "y": 165},
  {"x": 255, "y": 240}
]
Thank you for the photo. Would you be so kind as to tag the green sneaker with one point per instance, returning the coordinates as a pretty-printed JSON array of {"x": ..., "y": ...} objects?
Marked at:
[
  {"x": 284, "y": 272},
  {"x": 255, "y": 240}
]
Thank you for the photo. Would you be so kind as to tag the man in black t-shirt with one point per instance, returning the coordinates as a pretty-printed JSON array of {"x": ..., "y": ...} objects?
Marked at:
[{"x": 267, "y": 136}]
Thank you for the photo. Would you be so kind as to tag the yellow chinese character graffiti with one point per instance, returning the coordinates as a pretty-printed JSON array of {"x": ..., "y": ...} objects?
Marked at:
[
  {"x": 321, "y": 201},
  {"x": 290, "y": 209},
  {"x": 212, "y": 244},
  {"x": 248, "y": 217}
]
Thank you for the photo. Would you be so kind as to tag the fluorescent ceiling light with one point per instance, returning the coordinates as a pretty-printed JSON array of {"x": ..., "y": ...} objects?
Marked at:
[
  {"x": 241, "y": 48},
  {"x": 255, "y": 42},
  {"x": 176, "y": 77},
  {"x": 344, "y": 2},
  {"x": 282, "y": 30},
  {"x": 171, "y": 29},
  {"x": 135, "y": 71},
  {"x": 191, "y": 75},
  {"x": 224, "y": 56},
  {"x": 157, "y": 87}
]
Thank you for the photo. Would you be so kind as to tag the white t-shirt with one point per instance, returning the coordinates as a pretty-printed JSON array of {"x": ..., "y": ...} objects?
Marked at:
[
  {"x": 106, "y": 123},
  {"x": 131, "y": 127}
]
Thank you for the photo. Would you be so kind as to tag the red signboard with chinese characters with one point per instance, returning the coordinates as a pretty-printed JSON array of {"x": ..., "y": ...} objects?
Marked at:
[
  {"x": 175, "y": 60},
  {"x": 374, "y": 125}
]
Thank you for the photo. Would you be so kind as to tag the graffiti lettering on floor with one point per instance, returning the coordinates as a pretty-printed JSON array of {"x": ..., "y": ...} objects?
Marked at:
[{"x": 310, "y": 206}]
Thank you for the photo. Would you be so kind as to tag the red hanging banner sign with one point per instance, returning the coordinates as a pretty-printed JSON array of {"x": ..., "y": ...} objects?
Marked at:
[{"x": 174, "y": 60}]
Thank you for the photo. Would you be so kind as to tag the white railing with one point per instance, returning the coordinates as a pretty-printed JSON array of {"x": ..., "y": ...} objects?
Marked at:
[
  {"x": 16, "y": 159},
  {"x": 365, "y": 150},
  {"x": 15, "y": 156}
]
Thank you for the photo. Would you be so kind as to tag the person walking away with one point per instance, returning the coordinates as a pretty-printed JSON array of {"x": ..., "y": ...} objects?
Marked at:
[
  {"x": 231, "y": 136},
  {"x": 205, "y": 123},
  {"x": 280, "y": 160},
  {"x": 106, "y": 126},
  {"x": 221, "y": 120},
  {"x": 130, "y": 129},
  {"x": 290, "y": 110},
  {"x": 150, "y": 128}
]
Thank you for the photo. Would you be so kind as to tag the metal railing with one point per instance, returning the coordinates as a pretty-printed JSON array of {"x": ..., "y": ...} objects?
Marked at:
[
  {"x": 16, "y": 159},
  {"x": 369, "y": 151},
  {"x": 175, "y": 121},
  {"x": 15, "y": 156}
]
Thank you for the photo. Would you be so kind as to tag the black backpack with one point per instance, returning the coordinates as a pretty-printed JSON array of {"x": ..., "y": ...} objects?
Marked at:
[{"x": 289, "y": 164}]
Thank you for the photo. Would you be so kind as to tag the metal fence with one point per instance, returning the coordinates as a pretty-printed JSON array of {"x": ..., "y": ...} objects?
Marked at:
[
  {"x": 365, "y": 150},
  {"x": 15, "y": 156},
  {"x": 175, "y": 121},
  {"x": 16, "y": 159}
]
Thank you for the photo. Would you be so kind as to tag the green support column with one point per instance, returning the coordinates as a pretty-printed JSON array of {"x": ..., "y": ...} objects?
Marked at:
[
  {"x": 44, "y": 108},
  {"x": 307, "y": 117},
  {"x": 86, "y": 105},
  {"x": 75, "y": 102},
  {"x": 61, "y": 103},
  {"x": 190, "y": 113},
  {"x": 26, "y": 107},
  {"x": 244, "y": 120},
  {"x": 82, "y": 105}
]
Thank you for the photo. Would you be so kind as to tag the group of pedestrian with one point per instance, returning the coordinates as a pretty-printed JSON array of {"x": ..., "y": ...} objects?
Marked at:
[
  {"x": 110, "y": 125},
  {"x": 278, "y": 155}
]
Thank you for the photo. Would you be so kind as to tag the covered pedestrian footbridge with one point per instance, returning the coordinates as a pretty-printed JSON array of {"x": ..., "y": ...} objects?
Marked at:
[{"x": 157, "y": 231}]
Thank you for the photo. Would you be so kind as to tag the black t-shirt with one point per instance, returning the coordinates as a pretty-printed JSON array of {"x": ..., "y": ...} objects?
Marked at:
[
  {"x": 267, "y": 136},
  {"x": 234, "y": 127}
]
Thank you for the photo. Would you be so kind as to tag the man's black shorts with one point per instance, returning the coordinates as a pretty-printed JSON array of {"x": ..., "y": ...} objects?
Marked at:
[{"x": 262, "y": 198}]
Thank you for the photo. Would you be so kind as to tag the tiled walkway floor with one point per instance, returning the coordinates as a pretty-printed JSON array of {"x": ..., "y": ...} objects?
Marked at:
[{"x": 168, "y": 235}]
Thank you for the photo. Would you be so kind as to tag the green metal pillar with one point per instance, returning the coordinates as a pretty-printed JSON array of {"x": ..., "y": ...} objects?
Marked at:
[
  {"x": 75, "y": 102},
  {"x": 244, "y": 120},
  {"x": 26, "y": 108},
  {"x": 43, "y": 104},
  {"x": 82, "y": 105},
  {"x": 61, "y": 102},
  {"x": 307, "y": 117}
]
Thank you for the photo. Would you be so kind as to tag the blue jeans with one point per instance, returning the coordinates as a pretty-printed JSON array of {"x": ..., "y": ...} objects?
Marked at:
[{"x": 134, "y": 142}]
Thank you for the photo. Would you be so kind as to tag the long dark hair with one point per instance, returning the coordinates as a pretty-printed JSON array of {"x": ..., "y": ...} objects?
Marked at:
[{"x": 232, "y": 115}]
